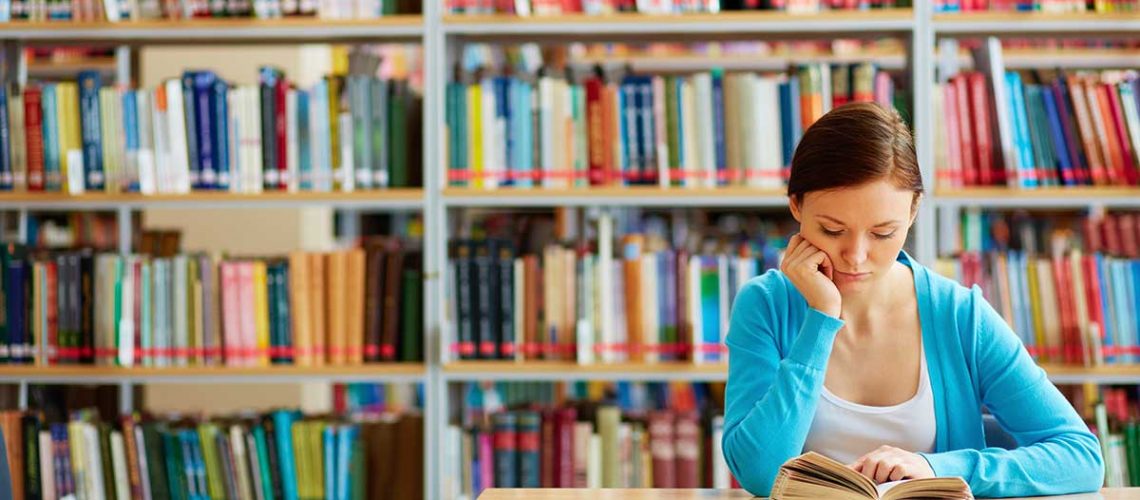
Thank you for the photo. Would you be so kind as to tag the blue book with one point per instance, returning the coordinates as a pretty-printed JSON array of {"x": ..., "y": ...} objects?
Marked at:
[
  {"x": 500, "y": 86},
  {"x": 1107, "y": 329},
  {"x": 191, "y": 119},
  {"x": 91, "y": 128},
  {"x": 17, "y": 288},
  {"x": 710, "y": 307},
  {"x": 6, "y": 178},
  {"x": 204, "y": 136},
  {"x": 328, "y": 449},
  {"x": 221, "y": 133},
  {"x": 1077, "y": 156},
  {"x": 304, "y": 142},
  {"x": 1024, "y": 145},
  {"x": 1057, "y": 132},
  {"x": 131, "y": 132},
  {"x": 53, "y": 173},
  {"x": 647, "y": 132},
  {"x": 188, "y": 464},
  {"x": 1121, "y": 303},
  {"x": 1134, "y": 281},
  {"x": 528, "y": 132},
  {"x": 667, "y": 298},
  {"x": 516, "y": 126},
  {"x": 283, "y": 427},
  {"x": 624, "y": 132},
  {"x": 680, "y": 119},
  {"x": 718, "y": 125},
  {"x": 529, "y": 472}
]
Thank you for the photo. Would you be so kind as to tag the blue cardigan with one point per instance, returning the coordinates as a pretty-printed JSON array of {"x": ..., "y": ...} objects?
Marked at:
[{"x": 778, "y": 351}]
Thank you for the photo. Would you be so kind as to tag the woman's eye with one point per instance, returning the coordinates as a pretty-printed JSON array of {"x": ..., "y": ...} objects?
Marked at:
[
  {"x": 884, "y": 236},
  {"x": 830, "y": 232}
]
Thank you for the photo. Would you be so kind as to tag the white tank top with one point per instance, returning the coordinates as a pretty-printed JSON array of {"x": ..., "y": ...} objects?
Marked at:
[{"x": 846, "y": 431}]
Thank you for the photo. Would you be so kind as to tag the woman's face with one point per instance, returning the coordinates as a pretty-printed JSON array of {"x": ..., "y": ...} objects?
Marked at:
[{"x": 861, "y": 229}]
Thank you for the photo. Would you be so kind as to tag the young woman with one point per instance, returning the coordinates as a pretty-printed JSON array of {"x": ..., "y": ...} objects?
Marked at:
[{"x": 854, "y": 350}]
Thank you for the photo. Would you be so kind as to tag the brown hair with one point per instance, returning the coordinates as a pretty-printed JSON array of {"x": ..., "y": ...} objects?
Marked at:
[{"x": 852, "y": 145}]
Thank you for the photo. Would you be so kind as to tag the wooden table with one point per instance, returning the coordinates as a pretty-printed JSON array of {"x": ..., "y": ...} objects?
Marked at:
[{"x": 661, "y": 494}]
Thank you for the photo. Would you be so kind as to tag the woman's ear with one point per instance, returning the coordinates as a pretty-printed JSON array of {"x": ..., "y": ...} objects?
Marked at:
[{"x": 794, "y": 206}]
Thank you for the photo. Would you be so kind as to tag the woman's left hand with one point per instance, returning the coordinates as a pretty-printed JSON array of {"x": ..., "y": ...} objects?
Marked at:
[{"x": 888, "y": 463}]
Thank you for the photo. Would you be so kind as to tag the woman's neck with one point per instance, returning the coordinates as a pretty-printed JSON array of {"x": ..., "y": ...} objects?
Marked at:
[{"x": 864, "y": 310}]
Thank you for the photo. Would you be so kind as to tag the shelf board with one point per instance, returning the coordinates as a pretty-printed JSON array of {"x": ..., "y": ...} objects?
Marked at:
[
  {"x": 569, "y": 371},
  {"x": 1017, "y": 23},
  {"x": 642, "y": 196},
  {"x": 215, "y": 31},
  {"x": 387, "y": 372},
  {"x": 393, "y": 199},
  {"x": 1074, "y": 197},
  {"x": 829, "y": 23},
  {"x": 1108, "y": 374}
]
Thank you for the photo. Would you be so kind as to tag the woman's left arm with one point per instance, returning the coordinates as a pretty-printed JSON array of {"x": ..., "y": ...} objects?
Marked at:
[{"x": 1056, "y": 453}]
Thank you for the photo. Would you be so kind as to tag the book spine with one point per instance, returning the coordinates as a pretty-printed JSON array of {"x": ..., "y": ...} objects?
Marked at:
[
  {"x": 33, "y": 120},
  {"x": 190, "y": 122}
]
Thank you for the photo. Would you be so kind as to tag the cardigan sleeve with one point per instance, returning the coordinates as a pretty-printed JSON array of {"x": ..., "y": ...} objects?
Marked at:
[
  {"x": 1056, "y": 453},
  {"x": 769, "y": 401}
]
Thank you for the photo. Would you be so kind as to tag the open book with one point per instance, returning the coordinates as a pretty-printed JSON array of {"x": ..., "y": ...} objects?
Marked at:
[{"x": 812, "y": 475}]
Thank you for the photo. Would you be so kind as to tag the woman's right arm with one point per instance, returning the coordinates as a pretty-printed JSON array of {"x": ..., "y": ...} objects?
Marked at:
[{"x": 769, "y": 401}]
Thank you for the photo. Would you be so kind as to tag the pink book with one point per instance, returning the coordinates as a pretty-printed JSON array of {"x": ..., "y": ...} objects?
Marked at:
[
  {"x": 486, "y": 461},
  {"x": 970, "y": 174},
  {"x": 231, "y": 305},
  {"x": 953, "y": 137},
  {"x": 688, "y": 451},
  {"x": 247, "y": 315},
  {"x": 1117, "y": 112}
]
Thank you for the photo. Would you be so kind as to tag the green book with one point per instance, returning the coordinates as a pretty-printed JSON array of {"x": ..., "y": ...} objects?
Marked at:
[
  {"x": 301, "y": 454},
  {"x": 356, "y": 478},
  {"x": 411, "y": 321},
  {"x": 31, "y": 429},
  {"x": 263, "y": 461},
  {"x": 152, "y": 443},
  {"x": 214, "y": 481},
  {"x": 398, "y": 134},
  {"x": 175, "y": 469},
  {"x": 104, "y": 431}
]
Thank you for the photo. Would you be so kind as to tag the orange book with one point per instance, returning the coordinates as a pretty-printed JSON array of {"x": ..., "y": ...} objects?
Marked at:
[
  {"x": 355, "y": 306},
  {"x": 1086, "y": 129},
  {"x": 317, "y": 299},
  {"x": 632, "y": 245},
  {"x": 336, "y": 287},
  {"x": 299, "y": 308},
  {"x": 1106, "y": 132}
]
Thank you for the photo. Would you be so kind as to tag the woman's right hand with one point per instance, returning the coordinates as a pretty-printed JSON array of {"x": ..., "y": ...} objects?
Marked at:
[{"x": 810, "y": 270}]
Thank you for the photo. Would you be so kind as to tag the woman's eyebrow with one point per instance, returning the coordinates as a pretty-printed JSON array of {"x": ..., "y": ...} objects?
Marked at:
[{"x": 837, "y": 221}]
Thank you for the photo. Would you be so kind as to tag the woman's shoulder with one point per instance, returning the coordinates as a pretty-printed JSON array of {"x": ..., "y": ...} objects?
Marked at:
[
  {"x": 949, "y": 298},
  {"x": 772, "y": 286}
]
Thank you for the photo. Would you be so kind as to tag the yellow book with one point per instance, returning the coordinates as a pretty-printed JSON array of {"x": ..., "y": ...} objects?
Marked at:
[
  {"x": 475, "y": 142},
  {"x": 261, "y": 312},
  {"x": 301, "y": 454},
  {"x": 1035, "y": 307},
  {"x": 812, "y": 475},
  {"x": 67, "y": 99},
  {"x": 317, "y": 458},
  {"x": 334, "y": 84}
]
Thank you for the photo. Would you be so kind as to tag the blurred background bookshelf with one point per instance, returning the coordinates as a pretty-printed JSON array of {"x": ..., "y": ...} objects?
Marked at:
[{"x": 529, "y": 279}]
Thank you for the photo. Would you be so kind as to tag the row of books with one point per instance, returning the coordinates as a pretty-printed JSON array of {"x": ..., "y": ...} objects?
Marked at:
[
  {"x": 1080, "y": 129},
  {"x": 137, "y": 10},
  {"x": 604, "y": 7},
  {"x": 643, "y": 301},
  {"x": 707, "y": 129},
  {"x": 1069, "y": 290},
  {"x": 201, "y": 133},
  {"x": 309, "y": 308},
  {"x": 1050, "y": 6},
  {"x": 281, "y": 454},
  {"x": 586, "y": 446},
  {"x": 1072, "y": 129}
]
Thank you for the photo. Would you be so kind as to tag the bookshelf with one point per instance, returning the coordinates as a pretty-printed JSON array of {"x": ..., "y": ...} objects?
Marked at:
[
  {"x": 389, "y": 199},
  {"x": 386, "y": 372},
  {"x": 442, "y": 37}
]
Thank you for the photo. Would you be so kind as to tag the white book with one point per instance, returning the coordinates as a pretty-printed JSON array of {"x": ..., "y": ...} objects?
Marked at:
[
  {"x": 241, "y": 462},
  {"x": 257, "y": 169},
  {"x": 620, "y": 324},
  {"x": 585, "y": 323},
  {"x": 694, "y": 307},
  {"x": 1131, "y": 115},
  {"x": 721, "y": 478},
  {"x": 95, "y": 483},
  {"x": 47, "y": 465},
  {"x": 688, "y": 120},
  {"x": 606, "y": 286},
  {"x": 546, "y": 131},
  {"x": 144, "y": 466},
  {"x": 771, "y": 138},
  {"x": 181, "y": 312},
  {"x": 650, "y": 314},
  {"x": 126, "y": 334},
  {"x": 255, "y": 467},
  {"x": 292, "y": 147},
  {"x": 491, "y": 136},
  {"x": 346, "y": 176},
  {"x": 594, "y": 463},
  {"x": 119, "y": 463},
  {"x": 176, "y": 124},
  {"x": 232, "y": 179},
  {"x": 703, "y": 129}
]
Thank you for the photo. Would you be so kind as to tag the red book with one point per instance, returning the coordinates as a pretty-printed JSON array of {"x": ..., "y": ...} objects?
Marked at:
[
  {"x": 1114, "y": 155},
  {"x": 663, "y": 449},
  {"x": 1127, "y": 226},
  {"x": 967, "y": 116},
  {"x": 1131, "y": 176},
  {"x": 983, "y": 132},
  {"x": 1112, "y": 242},
  {"x": 1093, "y": 292},
  {"x": 595, "y": 121},
  {"x": 1064, "y": 302},
  {"x": 548, "y": 456},
  {"x": 687, "y": 439},
  {"x": 51, "y": 350},
  {"x": 34, "y": 135},
  {"x": 282, "y": 146},
  {"x": 564, "y": 447}
]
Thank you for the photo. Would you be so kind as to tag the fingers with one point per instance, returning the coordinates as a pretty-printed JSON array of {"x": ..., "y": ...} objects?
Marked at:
[{"x": 885, "y": 464}]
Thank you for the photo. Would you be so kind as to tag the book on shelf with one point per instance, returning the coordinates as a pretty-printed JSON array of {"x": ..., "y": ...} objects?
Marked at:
[
  {"x": 149, "y": 10},
  {"x": 306, "y": 309},
  {"x": 708, "y": 129},
  {"x": 200, "y": 133},
  {"x": 583, "y": 444},
  {"x": 635, "y": 298},
  {"x": 1067, "y": 286},
  {"x": 1038, "y": 128},
  {"x": 604, "y": 7},
  {"x": 1046, "y": 6},
  {"x": 279, "y": 454},
  {"x": 812, "y": 475}
]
